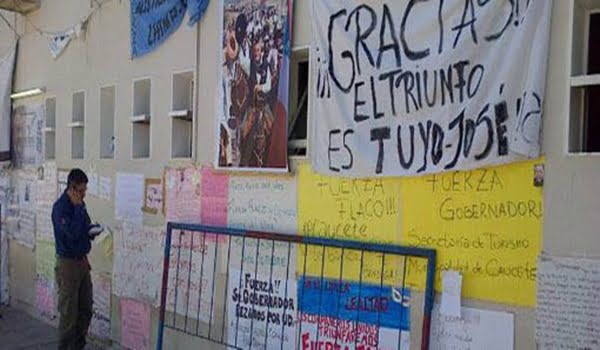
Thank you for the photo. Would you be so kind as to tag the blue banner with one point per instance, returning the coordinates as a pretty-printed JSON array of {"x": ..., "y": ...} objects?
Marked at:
[
  {"x": 152, "y": 22},
  {"x": 350, "y": 301},
  {"x": 196, "y": 9}
]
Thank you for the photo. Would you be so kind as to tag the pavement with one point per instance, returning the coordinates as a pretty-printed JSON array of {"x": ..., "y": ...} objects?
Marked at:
[{"x": 19, "y": 330}]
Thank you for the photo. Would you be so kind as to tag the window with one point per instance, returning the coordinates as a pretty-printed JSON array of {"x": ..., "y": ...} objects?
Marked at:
[
  {"x": 77, "y": 125},
  {"x": 141, "y": 118},
  {"x": 584, "y": 133},
  {"x": 182, "y": 97},
  {"x": 298, "y": 103},
  {"x": 107, "y": 122},
  {"x": 50, "y": 128}
]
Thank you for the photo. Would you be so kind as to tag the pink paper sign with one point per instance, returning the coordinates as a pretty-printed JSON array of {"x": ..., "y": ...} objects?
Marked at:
[
  {"x": 215, "y": 193},
  {"x": 45, "y": 301},
  {"x": 135, "y": 325}
]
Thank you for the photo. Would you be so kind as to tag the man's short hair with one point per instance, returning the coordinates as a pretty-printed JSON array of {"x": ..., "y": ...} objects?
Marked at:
[{"x": 76, "y": 177}]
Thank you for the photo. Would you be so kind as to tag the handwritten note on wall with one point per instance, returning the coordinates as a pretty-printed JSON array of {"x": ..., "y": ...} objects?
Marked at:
[
  {"x": 263, "y": 204},
  {"x": 568, "y": 303},
  {"x": 105, "y": 188},
  {"x": 135, "y": 325},
  {"x": 63, "y": 176},
  {"x": 182, "y": 194},
  {"x": 191, "y": 274},
  {"x": 352, "y": 209},
  {"x": 215, "y": 194},
  {"x": 92, "y": 186},
  {"x": 27, "y": 136},
  {"x": 153, "y": 196},
  {"x": 484, "y": 223},
  {"x": 476, "y": 329},
  {"x": 46, "y": 195},
  {"x": 24, "y": 234},
  {"x": 45, "y": 259},
  {"x": 129, "y": 197},
  {"x": 137, "y": 267},
  {"x": 45, "y": 301},
  {"x": 100, "y": 325}
]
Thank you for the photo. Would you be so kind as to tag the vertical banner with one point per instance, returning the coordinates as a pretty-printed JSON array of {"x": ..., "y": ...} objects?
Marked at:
[
  {"x": 252, "y": 113},
  {"x": 6, "y": 74},
  {"x": 5, "y": 199},
  {"x": 403, "y": 88},
  {"x": 27, "y": 136},
  {"x": 153, "y": 22}
]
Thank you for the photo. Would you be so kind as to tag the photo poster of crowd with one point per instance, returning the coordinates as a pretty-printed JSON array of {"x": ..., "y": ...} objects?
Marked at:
[{"x": 252, "y": 125}]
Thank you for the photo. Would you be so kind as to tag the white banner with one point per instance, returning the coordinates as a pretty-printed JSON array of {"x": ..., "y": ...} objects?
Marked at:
[
  {"x": 58, "y": 43},
  {"x": 6, "y": 73},
  {"x": 403, "y": 88}
]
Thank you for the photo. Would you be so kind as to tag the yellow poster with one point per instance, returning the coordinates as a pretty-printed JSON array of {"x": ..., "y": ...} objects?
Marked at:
[
  {"x": 485, "y": 223},
  {"x": 365, "y": 210}
]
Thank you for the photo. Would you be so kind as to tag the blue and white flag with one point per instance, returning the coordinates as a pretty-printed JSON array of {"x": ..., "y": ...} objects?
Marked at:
[
  {"x": 152, "y": 22},
  {"x": 196, "y": 10}
]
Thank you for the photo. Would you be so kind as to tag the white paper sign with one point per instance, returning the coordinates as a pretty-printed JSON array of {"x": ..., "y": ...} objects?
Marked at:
[
  {"x": 568, "y": 303},
  {"x": 138, "y": 262},
  {"x": 262, "y": 304},
  {"x": 63, "y": 178},
  {"x": 92, "y": 186},
  {"x": 100, "y": 325},
  {"x": 105, "y": 188},
  {"x": 451, "y": 288},
  {"x": 263, "y": 204},
  {"x": 191, "y": 274},
  {"x": 129, "y": 197},
  {"x": 46, "y": 196},
  {"x": 401, "y": 88},
  {"x": 27, "y": 136},
  {"x": 476, "y": 329}
]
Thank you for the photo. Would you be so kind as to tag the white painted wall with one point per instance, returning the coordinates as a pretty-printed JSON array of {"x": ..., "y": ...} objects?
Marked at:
[{"x": 571, "y": 194}]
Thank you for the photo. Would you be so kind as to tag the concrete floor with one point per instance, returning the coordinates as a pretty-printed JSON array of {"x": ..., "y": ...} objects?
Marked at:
[{"x": 18, "y": 330}]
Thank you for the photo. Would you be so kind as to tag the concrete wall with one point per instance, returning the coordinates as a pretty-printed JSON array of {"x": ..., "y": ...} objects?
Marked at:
[{"x": 571, "y": 196}]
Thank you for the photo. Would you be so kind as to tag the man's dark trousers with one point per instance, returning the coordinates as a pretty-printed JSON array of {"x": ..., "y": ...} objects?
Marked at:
[{"x": 75, "y": 299}]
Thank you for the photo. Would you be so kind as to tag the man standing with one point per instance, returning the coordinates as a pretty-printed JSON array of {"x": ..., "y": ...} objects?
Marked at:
[{"x": 73, "y": 242}]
